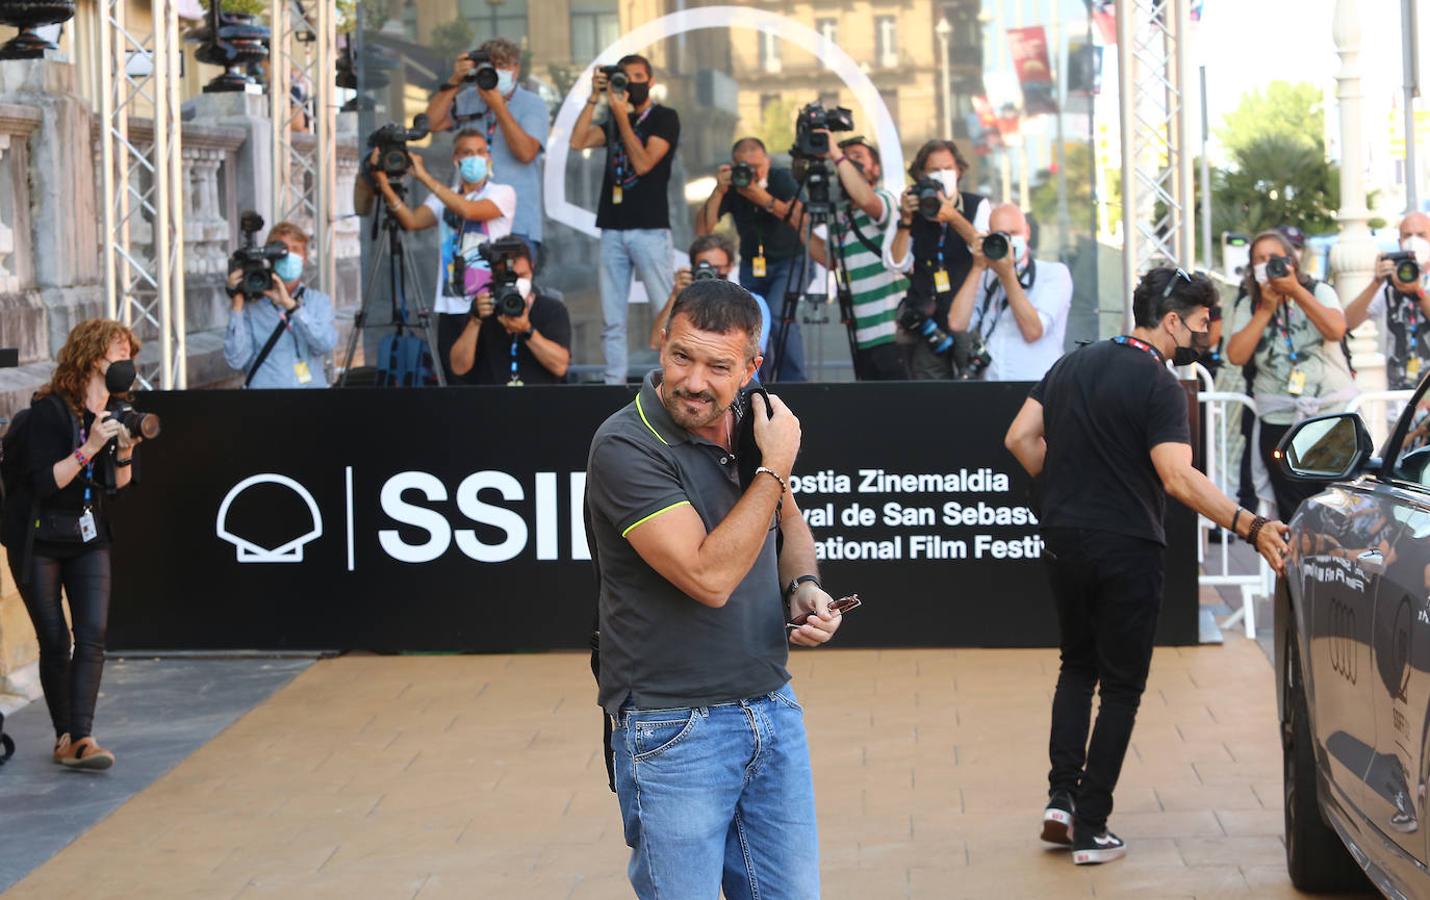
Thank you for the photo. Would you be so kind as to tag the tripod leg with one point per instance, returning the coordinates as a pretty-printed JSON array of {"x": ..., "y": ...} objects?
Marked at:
[
  {"x": 789, "y": 307},
  {"x": 360, "y": 318},
  {"x": 425, "y": 320}
]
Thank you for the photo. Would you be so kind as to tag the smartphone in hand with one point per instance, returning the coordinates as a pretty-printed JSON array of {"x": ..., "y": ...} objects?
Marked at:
[{"x": 843, "y": 606}]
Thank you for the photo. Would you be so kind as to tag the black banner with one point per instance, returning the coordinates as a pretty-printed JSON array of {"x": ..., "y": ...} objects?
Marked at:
[{"x": 451, "y": 520}]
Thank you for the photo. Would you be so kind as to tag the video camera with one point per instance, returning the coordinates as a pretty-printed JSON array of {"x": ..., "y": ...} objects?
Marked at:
[
  {"x": 616, "y": 80},
  {"x": 813, "y": 119},
  {"x": 484, "y": 75},
  {"x": 393, "y": 157},
  {"x": 1407, "y": 267},
  {"x": 256, "y": 262},
  {"x": 500, "y": 255}
]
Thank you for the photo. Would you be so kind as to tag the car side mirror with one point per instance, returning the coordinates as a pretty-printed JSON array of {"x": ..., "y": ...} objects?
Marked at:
[{"x": 1326, "y": 448}]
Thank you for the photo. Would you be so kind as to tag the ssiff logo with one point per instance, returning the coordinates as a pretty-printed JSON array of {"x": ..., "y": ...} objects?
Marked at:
[{"x": 249, "y": 552}]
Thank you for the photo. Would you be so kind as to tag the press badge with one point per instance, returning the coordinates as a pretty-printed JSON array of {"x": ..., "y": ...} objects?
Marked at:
[
  {"x": 941, "y": 282},
  {"x": 757, "y": 267},
  {"x": 300, "y": 368},
  {"x": 87, "y": 531},
  {"x": 1412, "y": 368},
  {"x": 616, "y": 195},
  {"x": 1296, "y": 383}
]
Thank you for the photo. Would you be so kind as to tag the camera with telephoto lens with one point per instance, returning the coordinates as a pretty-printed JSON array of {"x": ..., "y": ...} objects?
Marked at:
[
  {"x": 140, "y": 424},
  {"x": 393, "y": 157},
  {"x": 809, "y": 141},
  {"x": 996, "y": 245},
  {"x": 501, "y": 255},
  {"x": 978, "y": 358},
  {"x": 616, "y": 80},
  {"x": 742, "y": 175},
  {"x": 928, "y": 190},
  {"x": 255, "y": 262},
  {"x": 919, "y": 323},
  {"x": 484, "y": 74},
  {"x": 704, "y": 272},
  {"x": 1407, "y": 267},
  {"x": 1278, "y": 267}
]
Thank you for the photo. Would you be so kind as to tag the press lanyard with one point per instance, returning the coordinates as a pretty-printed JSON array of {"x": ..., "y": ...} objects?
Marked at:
[
  {"x": 88, "y": 470},
  {"x": 1128, "y": 340},
  {"x": 514, "y": 380},
  {"x": 620, "y": 154},
  {"x": 1285, "y": 329}
]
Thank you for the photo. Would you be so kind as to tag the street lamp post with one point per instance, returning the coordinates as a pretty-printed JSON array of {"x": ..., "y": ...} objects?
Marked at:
[{"x": 943, "y": 30}]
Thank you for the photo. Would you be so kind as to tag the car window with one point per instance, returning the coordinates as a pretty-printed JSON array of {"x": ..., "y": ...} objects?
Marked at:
[{"x": 1412, "y": 456}]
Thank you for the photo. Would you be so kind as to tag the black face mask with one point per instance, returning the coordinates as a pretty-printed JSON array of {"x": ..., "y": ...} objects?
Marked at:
[
  {"x": 637, "y": 92},
  {"x": 1201, "y": 343},
  {"x": 120, "y": 376}
]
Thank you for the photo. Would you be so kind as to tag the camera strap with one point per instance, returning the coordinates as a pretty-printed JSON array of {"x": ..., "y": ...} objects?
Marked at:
[
  {"x": 868, "y": 244},
  {"x": 1031, "y": 273},
  {"x": 271, "y": 343}
]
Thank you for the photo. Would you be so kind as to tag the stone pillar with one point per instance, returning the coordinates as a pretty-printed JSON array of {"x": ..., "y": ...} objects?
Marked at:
[
  {"x": 254, "y": 163},
  {"x": 1353, "y": 257}
]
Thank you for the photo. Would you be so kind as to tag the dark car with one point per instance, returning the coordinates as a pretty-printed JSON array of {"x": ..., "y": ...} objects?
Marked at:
[{"x": 1353, "y": 657}]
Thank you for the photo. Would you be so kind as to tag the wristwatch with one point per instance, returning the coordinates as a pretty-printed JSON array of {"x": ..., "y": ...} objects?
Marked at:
[{"x": 794, "y": 585}]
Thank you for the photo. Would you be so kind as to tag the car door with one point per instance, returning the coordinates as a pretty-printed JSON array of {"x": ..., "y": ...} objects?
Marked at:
[{"x": 1397, "y": 781}]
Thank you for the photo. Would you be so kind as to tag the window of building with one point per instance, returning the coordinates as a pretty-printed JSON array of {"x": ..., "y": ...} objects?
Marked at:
[
  {"x": 507, "y": 20},
  {"x": 886, "y": 48},
  {"x": 595, "y": 25},
  {"x": 769, "y": 52},
  {"x": 828, "y": 29}
]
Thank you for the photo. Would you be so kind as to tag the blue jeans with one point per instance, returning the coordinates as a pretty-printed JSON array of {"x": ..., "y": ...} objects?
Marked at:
[
  {"x": 772, "y": 287},
  {"x": 641, "y": 251},
  {"x": 718, "y": 796}
]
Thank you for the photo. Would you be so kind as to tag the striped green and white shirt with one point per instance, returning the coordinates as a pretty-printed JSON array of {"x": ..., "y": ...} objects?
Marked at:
[{"x": 877, "y": 290}]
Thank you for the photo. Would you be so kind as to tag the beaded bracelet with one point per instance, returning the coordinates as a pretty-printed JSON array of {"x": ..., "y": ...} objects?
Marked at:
[
  {"x": 775, "y": 475},
  {"x": 1256, "y": 525},
  {"x": 81, "y": 458}
]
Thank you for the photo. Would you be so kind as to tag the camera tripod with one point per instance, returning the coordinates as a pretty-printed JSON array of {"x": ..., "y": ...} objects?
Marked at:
[
  {"x": 401, "y": 272},
  {"x": 819, "y": 210}
]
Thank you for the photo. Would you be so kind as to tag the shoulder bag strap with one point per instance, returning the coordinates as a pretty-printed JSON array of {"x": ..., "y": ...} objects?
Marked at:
[{"x": 267, "y": 349}]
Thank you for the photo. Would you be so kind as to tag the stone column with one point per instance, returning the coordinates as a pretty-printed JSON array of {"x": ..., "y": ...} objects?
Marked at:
[
  {"x": 1353, "y": 257},
  {"x": 254, "y": 163}
]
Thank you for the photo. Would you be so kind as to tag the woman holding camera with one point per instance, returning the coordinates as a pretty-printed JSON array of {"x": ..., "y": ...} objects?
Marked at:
[
  {"x": 73, "y": 454},
  {"x": 1290, "y": 327}
]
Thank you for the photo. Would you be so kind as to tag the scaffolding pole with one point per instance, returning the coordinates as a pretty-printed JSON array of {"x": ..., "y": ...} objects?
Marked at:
[{"x": 142, "y": 184}]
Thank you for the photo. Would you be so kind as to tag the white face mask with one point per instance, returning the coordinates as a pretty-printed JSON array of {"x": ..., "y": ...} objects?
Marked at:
[
  {"x": 1020, "y": 247},
  {"x": 1259, "y": 270},
  {"x": 523, "y": 285},
  {"x": 948, "y": 178},
  {"x": 1419, "y": 246}
]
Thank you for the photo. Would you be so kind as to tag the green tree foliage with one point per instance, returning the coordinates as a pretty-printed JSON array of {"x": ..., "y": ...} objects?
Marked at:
[
  {"x": 1077, "y": 167},
  {"x": 777, "y": 125},
  {"x": 452, "y": 38},
  {"x": 1283, "y": 109},
  {"x": 1278, "y": 180}
]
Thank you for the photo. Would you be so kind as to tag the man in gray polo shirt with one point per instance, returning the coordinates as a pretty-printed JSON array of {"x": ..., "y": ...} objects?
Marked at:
[{"x": 711, "y": 762}]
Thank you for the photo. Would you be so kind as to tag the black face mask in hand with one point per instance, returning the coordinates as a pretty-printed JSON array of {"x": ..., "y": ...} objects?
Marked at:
[{"x": 120, "y": 376}]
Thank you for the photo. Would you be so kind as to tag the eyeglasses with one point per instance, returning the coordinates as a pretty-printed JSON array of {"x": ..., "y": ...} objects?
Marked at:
[{"x": 1172, "y": 282}]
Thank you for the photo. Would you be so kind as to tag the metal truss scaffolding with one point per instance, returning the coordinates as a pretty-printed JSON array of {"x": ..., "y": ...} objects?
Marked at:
[
  {"x": 142, "y": 180},
  {"x": 304, "y": 163},
  {"x": 1158, "y": 206}
]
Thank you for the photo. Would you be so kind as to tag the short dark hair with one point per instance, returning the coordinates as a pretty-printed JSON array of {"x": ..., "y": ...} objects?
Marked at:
[
  {"x": 469, "y": 131},
  {"x": 1152, "y": 301},
  {"x": 714, "y": 241},
  {"x": 720, "y": 307},
  {"x": 632, "y": 59},
  {"x": 735, "y": 147},
  {"x": 921, "y": 159},
  {"x": 862, "y": 141}
]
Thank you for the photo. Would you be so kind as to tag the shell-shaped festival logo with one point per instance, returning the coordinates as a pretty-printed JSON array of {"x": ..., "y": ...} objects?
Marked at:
[{"x": 286, "y": 550}]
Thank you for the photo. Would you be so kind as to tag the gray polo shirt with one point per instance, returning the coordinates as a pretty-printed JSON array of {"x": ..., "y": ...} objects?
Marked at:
[{"x": 659, "y": 647}]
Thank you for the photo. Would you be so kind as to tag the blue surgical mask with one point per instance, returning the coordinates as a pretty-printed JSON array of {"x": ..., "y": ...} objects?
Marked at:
[
  {"x": 506, "y": 81},
  {"x": 473, "y": 169},
  {"x": 288, "y": 267}
]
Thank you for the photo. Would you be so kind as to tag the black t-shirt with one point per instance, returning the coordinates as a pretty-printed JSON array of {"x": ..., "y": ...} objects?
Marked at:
[
  {"x": 932, "y": 242},
  {"x": 50, "y": 436},
  {"x": 494, "y": 344},
  {"x": 757, "y": 227},
  {"x": 1105, "y": 407},
  {"x": 643, "y": 201}
]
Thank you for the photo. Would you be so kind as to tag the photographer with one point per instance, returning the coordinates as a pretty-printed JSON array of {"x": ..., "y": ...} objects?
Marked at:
[
  {"x": 476, "y": 211},
  {"x": 1014, "y": 308},
  {"x": 254, "y": 341},
  {"x": 514, "y": 121},
  {"x": 640, "y": 137},
  {"x": 761, "y": 200},
  {"x": 937, "y": 225},
  {"x": 712, "y": 255},
  {"x": 1291, "y": 326},
  {"x": 877, "y": 292},
  {"x": 496, "y": 347},
  {"x": 73, "y": 456},
  {"x": 1405, "y": 305}
]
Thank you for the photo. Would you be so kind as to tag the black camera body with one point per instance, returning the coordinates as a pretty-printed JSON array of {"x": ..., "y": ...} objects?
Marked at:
[
  {"x": 978, "y": 359},
  {"x": 928, "y": 190},
  {"x": 920, "y": 324},
  {"x": 1278, "y": 267},
  {"x": 1407, "y": 267},
  {"x": 703, "y": 271},
  {"x": 255, "y": 262},
  {"x": 616, "y": 80},
  {"x": 142, "y": 424},
  {"x": 996, "y": 245},
  {"x": 742, "y": 175},
  {"x": 815, "y": 118},
  {"x": 485, "y": 74},
  {"x": 393, "y": 157},
  {"x": 501, "y": 255}
]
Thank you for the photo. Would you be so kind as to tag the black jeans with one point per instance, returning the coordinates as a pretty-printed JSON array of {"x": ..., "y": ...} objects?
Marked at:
[
  {"x": 71, "y": 684},
  {"x": 1289, "y": 494},
  {"x": 1108, "y": 589}
]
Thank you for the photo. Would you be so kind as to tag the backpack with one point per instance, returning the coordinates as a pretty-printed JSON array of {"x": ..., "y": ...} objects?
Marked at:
[
  {"x": 12, "y": 462},
  {"x": 404, "y": 360}
]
